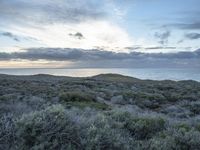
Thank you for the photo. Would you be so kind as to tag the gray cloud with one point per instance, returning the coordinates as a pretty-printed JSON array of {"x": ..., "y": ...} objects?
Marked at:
[
  {"x": 193, "y": 36},
  {"x": 151, "y": 48},
  {"x": 100, "y": 58},
  {"x": 186, "y": 20},
  {"x": 48, "y": 11},
  {"x": 186, "y": 25},
  {"x": 10, "y": 35},
  {"x": 5, "y": 56},
  {"x": 77, "y": 35},
  {"x": 163, "y": 37},
  {"x": 160, "y": 47}
]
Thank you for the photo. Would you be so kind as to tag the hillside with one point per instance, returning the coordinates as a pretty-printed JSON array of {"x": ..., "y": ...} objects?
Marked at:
[{"x": 107, "y": 111}]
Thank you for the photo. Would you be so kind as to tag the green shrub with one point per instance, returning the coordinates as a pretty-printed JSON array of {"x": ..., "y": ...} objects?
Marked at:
[
  {"x": 57, "y": 128},
  {"x": 95, "y": 105},
  {"x": 159, "y": 143},
  {"x": 121, "y": 116},
  {"x": 183, "y": 126},
  {"x": 187, "y": 139},
  {"x": 78, "y": 96},
  {"x": 195, "y": 107},
  {"x": 7, "y": 131},
  {"x": 81, "y": 100},
  {"x": 144, "y": 128},
  {"x": 172, "y": 96},
  {"x": 48, "y": 129},
  {"x": 178, "y": 139},
  {"x": 102, "y": 136}
]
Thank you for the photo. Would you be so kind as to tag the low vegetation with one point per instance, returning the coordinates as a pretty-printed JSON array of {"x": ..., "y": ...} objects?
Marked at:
[{"x": 104, "y": 112}]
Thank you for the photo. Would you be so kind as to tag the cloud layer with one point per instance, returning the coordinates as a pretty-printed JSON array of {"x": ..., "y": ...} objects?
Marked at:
[
  {"x": 48, "y": 11},
  {"x": 99, "y": 58}
]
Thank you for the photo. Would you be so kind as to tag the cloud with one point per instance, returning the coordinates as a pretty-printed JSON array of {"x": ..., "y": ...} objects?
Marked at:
[
  {"x": 5, "y": 56},
  {"x": 160, "y": 47},
  {"x": 163, "y": 37},
  {"x": 10, "y": 35},
  {"x": 85, "y": 35},
  {"x": 192, "y": 36},
  {"x": 49, "y": 11},
  {"x": 77, "y": 35},
  {"x": 100, "y": 58},
  {"x": 186, "y": 25},
  {"x": 135, "y": 48}
]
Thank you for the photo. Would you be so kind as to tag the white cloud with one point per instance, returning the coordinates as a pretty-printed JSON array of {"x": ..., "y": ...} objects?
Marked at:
[{"x": 95, "y": 33}]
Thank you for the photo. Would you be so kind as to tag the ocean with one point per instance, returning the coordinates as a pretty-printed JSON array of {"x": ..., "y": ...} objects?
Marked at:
[{"x": 141, "y": 73}]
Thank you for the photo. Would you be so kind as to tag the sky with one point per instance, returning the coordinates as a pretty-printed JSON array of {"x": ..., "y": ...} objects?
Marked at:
[{"x": 93, "y": 33}]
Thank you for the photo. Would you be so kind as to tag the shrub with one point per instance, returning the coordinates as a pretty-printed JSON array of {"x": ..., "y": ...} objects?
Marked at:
[
  {"x": 7, "y": 131},
  {"x": 121, "y": 116},
  {"x": 176, "y": 138},
  {"x": 76, "y": 96},
  {"x": 81, "y": 100},
  {"x": 195, "y": 107},
  {"x": 102, "y": 136},
  {"x": 144, "y": 128},
  {"x": 57, "y": 128},
  {"x": 160, "y": 143},
  {"x": 172, "y": 96},
  {"x": 95, "y": 105},
  {"x": 187, "y": 139},
  {"x": 48, "y": 129}
]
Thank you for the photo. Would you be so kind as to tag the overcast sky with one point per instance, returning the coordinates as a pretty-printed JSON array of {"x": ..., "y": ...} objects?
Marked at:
[{"x": 61, "y": 33}]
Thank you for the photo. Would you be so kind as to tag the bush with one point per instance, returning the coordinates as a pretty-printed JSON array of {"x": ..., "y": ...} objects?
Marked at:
[
  {"x": 57, "y": 128},
  {"x": 81, "y": 100},
  {"x": 144, "y": 128},
  {"x": 7, "y": 131},
  {"x": 76, "y": 97},
  {"x": 160, "y": 143},
  {"x": 48, "y": 129},
  {"x": 172, "y": 96},
  {"x": 187, "y": 139},
  {"x": 95, "y": 105},
  {"x": 195, "y": 107},
  {"x": 102, "y": 136},
  {"x": 176, "y": 138}
]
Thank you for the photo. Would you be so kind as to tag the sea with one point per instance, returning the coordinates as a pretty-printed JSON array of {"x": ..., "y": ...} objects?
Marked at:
[{"x": 176, "y": 74}]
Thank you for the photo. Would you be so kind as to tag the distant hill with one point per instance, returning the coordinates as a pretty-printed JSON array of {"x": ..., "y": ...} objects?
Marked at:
[{"x": 115, "y": 78}]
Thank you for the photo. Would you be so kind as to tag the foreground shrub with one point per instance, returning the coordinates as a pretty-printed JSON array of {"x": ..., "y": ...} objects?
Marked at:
[
  {"x": 102, "y": 136},
  {"x": 7, "y": 131},
  {"x": 57, "y": 128},
  {"x": 48, "y": 129},
  {"x": 144, "y": 128},
  {"x": 178, "y": 139}
]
